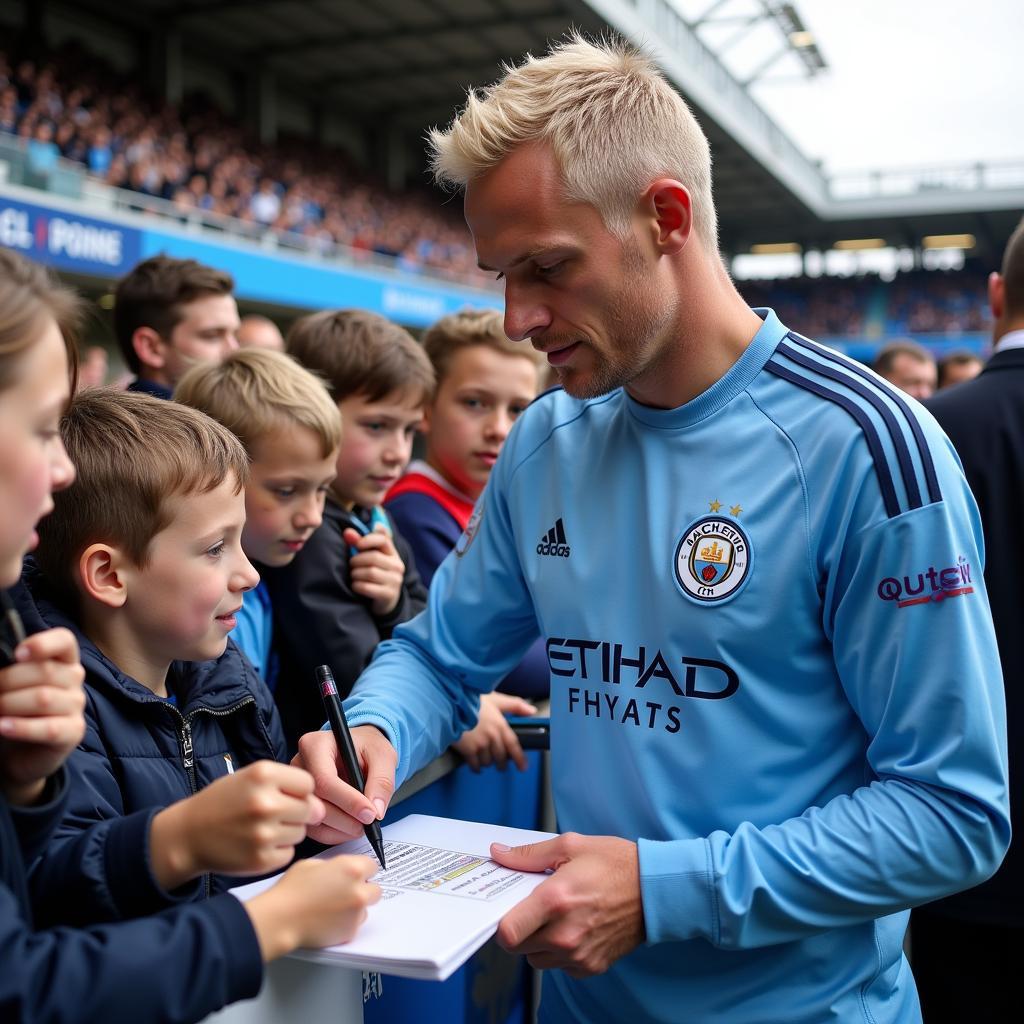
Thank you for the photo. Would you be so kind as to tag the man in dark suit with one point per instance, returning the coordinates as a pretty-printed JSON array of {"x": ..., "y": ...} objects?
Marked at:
[{"x": 961, "y": 947}]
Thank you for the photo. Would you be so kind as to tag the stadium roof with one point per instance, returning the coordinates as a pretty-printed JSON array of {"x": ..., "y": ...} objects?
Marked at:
[{"x": 408, "y": 63}]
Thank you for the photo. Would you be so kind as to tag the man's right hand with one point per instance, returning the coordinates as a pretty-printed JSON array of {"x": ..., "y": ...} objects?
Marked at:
[{"x": 348, "y": 810}]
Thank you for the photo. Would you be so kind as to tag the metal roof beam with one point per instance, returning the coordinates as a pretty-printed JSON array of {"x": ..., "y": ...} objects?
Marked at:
[{"x": 322, "y": 42}]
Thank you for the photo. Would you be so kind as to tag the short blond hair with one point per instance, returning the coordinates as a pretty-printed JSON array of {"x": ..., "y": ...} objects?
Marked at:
[
  {"x": 254, "y": 391},
  {"x": 132, "y": 453},
  {"x": 611, "y": 119},
  {"x": 473, "y": 327}
]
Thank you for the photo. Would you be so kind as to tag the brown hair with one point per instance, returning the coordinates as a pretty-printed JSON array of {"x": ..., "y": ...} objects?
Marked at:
[
  {"x": 254, "y": 391},
  {"x": 473, "y": 327},
  {"x": 887, "y": 355},
  {"x": 29, "y": 296},
  {"x": 1013, "y": 274},
  {"x": 154, "y": 293},
  {"x": 356, "y": 352},
  {"x": 132, "y": 453}
]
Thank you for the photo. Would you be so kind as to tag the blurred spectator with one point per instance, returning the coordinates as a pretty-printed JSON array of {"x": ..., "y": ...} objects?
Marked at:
[
  {"x": 957, "y": 367},
  {"x": 170, "y": 314},
  {"x": 909, "y": 366},
  {"x": 92, "y": 370},
  {"x": 257, "y": 331},
  {"x": 963, "y": 947},
  {"x": 42, "y": 151}
]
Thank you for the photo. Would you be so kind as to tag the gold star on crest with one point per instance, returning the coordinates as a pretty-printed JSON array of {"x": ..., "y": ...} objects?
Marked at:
[
  {"x": 735, "y": 511},
  {"x": 715, "y": 506}
]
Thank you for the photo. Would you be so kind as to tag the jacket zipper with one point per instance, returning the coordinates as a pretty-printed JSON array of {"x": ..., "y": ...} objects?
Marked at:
[{"x": 188, "y": 755}]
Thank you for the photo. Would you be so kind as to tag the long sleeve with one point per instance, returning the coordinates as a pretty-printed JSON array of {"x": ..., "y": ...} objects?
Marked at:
[
  {"x": 177, "y": 966},
  {"x": 96, "y": 866}
]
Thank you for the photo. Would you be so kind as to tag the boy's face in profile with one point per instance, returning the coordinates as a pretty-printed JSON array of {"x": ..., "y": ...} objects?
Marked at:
[
  {"x": 181, "y": 604},
  {"x": 480, "y": 396},
  {"x": 284, "y": 498},
  {"x": 376, "y": 446}
]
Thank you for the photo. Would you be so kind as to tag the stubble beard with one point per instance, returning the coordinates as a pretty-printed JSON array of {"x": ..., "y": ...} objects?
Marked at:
[{"x": 637, "y": 322}]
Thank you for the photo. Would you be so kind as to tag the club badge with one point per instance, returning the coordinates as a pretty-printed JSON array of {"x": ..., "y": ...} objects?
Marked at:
[{"x": 712, "y": 560}]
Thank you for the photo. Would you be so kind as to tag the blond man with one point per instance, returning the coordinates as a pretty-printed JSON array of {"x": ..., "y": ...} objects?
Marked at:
[{"x": 776, "y": 710}]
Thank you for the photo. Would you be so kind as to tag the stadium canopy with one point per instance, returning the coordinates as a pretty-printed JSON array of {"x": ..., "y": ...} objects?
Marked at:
[{"x": 393, "y": 69}]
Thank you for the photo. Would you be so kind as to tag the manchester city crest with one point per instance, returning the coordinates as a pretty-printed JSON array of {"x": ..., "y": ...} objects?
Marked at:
[{"x": 712, "y": 559}]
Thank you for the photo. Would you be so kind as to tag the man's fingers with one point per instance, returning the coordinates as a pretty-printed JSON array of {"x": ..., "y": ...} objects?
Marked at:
[
  {"x": 533, "y": 856},
  {"x": 509, "y": 704},
  {"x": 318, "y": 754},
  {"x": 523, "y": 920}
]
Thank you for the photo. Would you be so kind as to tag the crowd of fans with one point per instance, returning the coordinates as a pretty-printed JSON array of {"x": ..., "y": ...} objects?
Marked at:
[
  {"x": 917, "y": 302},
  {"x": 198, "y": 159}
]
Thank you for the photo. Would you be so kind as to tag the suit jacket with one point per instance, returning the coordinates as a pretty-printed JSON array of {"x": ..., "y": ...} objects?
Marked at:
[{"x": 984, "y": 419}]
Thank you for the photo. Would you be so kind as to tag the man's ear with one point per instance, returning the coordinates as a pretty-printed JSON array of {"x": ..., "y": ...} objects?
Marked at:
[
  {"x": 101, "y": 569},
  {"x": 668, "y": 209},
  {"x": 149, "y": 348},
  {"x": 996, "y": 294}
]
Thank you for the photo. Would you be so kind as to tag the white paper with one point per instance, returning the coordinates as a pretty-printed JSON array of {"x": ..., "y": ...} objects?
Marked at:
[{"x": 442, "y": 896}]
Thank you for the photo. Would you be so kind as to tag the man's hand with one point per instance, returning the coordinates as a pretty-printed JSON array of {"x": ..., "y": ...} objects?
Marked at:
[
  {"x": 247, "y": 823},
  {"x": 41, "y": 713},
  {"x": 491, "y": 740},
  {"x": 586, "y": 915},
  {"x": 346, "y": 809},
  {"x": 377, "y": 571}
]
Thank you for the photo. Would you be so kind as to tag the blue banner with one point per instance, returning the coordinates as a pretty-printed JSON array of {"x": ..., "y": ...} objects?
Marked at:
[
  {"x": 309, "y": 283},
  {"x": 67, "y": 241}
]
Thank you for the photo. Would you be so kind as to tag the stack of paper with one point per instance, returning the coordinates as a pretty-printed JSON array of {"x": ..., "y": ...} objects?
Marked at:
[{"x": 442, "y": 896}]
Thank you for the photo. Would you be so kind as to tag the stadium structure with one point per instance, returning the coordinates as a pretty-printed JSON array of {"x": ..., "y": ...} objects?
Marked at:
[{"x": 368, "y": 79}]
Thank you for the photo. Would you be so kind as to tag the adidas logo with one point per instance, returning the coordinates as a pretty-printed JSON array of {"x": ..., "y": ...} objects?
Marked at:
[{"x": 554, "y": 542}]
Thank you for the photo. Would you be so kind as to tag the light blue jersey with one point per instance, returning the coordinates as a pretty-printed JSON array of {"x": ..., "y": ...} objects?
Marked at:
[{"x": 772, "y": 665}]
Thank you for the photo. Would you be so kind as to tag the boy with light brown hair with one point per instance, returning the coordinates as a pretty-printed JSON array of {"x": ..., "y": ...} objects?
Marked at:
[
  {"x": 175, "y": 784},
  {"x": 484, "y": 381},
  {"x": 291, "y": 431},
  {"x": 356, "y": 579}
]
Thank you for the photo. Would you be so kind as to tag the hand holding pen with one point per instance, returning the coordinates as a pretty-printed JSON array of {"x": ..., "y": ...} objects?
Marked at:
[{"x": 347, "y": 750}]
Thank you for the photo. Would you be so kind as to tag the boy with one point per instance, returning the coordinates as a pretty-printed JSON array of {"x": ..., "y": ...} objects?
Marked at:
[
  {"x": 355, "y": 580},
  {"x": 141, "y": 559},
  {"x": 484, "y": 381},
  {"x": 291, "y": 431},
  {"x": 170, "y": 314}
]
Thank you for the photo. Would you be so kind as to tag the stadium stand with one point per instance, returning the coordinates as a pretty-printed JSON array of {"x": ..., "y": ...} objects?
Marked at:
[{"x": 199, "y": 160}]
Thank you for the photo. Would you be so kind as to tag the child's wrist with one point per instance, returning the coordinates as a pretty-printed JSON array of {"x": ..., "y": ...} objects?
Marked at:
[
  {"x": 23, "y": 794},
  {"x": 170, "y": 850}
]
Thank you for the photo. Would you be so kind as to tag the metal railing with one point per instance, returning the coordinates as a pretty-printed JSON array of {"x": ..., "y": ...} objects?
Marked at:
[{"x": 974, "y": 177}]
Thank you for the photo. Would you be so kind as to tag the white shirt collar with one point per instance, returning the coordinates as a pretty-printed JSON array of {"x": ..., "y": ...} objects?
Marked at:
[{"x": 1013, "y": 339}]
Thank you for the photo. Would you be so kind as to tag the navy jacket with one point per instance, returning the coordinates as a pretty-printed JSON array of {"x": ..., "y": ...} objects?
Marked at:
[
  {"x": 320, "y": 620},
  {"x": 177, "y": 966},
  {"x": 984, "y": 419},
  {"x": 140, "y": 754}
]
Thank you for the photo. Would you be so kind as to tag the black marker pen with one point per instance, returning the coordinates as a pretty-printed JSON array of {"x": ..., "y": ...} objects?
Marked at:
[{"x": 339, "y": 726}]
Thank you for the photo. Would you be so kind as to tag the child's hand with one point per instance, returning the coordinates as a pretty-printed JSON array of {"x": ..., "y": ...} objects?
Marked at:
[
  {"x": 316, "y": 903},
  {"x": 41, "y": 720},
  {"x": 377, "y": 571},
  {"x": 241, "y": 824},
  {"x": 491, "y": 740}
]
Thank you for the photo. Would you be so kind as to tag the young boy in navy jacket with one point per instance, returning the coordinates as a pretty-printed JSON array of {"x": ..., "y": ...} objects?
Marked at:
[
  {"x": 355, "y": 579},
  {"x": 175, "y": 784},
  {"x": 484, "y": 381},
  {"x": 291, "y": 431}
]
